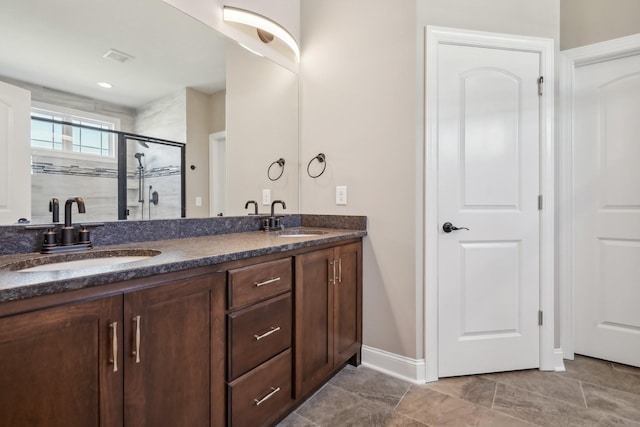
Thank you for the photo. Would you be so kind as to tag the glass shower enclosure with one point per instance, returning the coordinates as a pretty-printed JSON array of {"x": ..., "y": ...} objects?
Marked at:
[{"x": 120, "y": 176}]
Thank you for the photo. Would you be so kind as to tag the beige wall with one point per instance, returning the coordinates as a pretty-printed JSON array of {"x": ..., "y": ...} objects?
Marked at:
[
  {"x": 358, "y": 106},
  {"x": 218, "y": 112},
  {"x": 262, "y": 126},
  {"x": 198, "y": 116},
  {"x": 361, "y": 104},
  {"x": 585, "y": 22}
]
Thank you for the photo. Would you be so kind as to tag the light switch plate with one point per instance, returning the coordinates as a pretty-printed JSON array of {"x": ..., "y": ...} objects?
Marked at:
[
  {"x": 198, "y": 201},
  {"x": 341, "y": 195},
  {"x": 266, "y": 197}
]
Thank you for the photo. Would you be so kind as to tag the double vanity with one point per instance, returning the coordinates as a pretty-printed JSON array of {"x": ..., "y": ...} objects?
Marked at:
[{"x": 230, "y": 327}]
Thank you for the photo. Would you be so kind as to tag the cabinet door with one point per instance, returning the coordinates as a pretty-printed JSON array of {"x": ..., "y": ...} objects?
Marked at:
[
  {"x": 175, "y": 362},
  {"x": 56, "y": 366},
  {"x": 314, "y": 319},
  {"x": 347, "y": 297}
]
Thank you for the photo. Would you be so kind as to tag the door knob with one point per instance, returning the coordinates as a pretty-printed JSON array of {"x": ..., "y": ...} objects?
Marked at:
[{"x": 447, "y": 227}]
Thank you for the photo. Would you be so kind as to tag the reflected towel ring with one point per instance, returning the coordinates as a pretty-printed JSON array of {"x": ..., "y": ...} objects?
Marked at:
[
  {"x": 279, "y": 162},
  {"x": 321, "y": 158}
]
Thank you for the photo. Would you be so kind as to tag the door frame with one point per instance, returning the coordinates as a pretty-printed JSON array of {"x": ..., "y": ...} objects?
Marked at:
[
  {"x": 569, "y": 60},
  {"x": 545, "y": 48}
]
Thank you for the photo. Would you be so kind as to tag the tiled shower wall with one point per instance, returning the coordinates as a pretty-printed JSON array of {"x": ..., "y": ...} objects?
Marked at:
[{"x": 96, "y": 180}]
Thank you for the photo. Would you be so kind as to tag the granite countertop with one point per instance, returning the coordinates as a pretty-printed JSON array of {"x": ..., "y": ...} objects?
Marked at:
[{"x": 175, "y": 255}]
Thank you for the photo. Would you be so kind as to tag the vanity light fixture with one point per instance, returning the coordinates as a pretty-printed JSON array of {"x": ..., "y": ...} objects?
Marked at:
[
  {"x": 105, "y": 85},
  {"x": 242, "y": 16},
  {"x": 251, "y": 50}
]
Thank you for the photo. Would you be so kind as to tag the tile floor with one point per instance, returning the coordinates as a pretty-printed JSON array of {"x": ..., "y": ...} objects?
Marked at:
[{"x": 590, "y": 393}]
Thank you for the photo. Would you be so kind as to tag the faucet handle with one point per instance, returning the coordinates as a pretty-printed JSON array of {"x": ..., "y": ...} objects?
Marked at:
[{"x": 54, "y": 207}]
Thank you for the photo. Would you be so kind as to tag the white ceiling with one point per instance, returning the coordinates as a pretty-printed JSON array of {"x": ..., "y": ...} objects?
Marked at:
[{"x": 60, "y": 44}]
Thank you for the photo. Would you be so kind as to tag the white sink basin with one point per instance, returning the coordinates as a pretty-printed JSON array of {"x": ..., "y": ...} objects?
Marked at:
[
  {"x": 79, "y": 260},
  {"x": 85, "y": 263}
]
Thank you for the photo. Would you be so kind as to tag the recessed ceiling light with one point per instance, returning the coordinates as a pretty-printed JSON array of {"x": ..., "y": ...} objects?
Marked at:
[{"x": 105, "y": 85}]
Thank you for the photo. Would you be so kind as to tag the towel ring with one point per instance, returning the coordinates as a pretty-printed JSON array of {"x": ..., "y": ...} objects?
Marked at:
[
  {"x": 279, "y": 162},
  {"x": 321, "y": 158}
]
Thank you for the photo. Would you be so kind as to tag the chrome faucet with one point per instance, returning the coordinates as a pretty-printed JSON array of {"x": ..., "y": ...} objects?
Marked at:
[{"x": 255, "y": 204}]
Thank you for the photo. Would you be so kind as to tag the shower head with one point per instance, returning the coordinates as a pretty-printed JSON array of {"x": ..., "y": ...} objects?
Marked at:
[
  {"x": 139, "y": 156},
  {"x": 144, "y": 144}
]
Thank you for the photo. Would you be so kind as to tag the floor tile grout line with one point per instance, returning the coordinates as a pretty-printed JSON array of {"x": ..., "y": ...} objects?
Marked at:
[
  {"x": 413, "y": 419},
  {"x": 539, "y": 393},
  {"x": 402, "y": 397},
  {"x": 610, "y": 388},
  {"x": 495, "y": 392},
  {"x": 377, "y": 403},
  {"x": 584, "y": 397}
]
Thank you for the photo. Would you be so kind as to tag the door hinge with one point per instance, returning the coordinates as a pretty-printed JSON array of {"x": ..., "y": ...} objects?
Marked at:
[
  {"x": 539, "y": 317},
  {"x": 540, "y": 83},
  {"x": 540, "y": 202}
]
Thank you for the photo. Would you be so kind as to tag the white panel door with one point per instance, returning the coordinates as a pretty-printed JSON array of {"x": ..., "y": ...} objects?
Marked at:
[
  {"x": 15, "y": 154},
  {"x": 606, "y": 157},
  {"x": 488, "y": 181}
]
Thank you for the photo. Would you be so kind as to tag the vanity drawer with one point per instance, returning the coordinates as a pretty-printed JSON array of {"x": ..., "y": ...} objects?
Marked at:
[
  {"x": 259, "y": 397},
  {"x": 259, "y": 282},
  {"x": 258, "y": 333}
]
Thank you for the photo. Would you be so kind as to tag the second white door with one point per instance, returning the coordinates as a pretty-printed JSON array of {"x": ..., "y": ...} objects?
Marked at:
[
  {"x": 488, "y": 182},
  {"x": 606, "y": 205}
]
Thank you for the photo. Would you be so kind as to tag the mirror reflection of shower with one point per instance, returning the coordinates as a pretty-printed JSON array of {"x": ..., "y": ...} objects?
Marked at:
[
  {"x": 154, "y": 179},
  {"x": 139, "y": 157}
]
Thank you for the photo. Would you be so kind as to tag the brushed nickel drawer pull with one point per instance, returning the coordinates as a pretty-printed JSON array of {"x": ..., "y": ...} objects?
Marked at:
[
  {"x": 340, "y": 270},
  {"x": 136, "y": 350},
  {"x": 266, "y": 282},
  {"x": 114, "y": 346},
  {"x": 271, "y": 330},
  {"x": 267, "y": 397}
]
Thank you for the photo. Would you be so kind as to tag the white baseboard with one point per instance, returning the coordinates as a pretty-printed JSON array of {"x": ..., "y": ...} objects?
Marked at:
[
  {"x": 404, "y": 368},
  {"x": 414, "y": 370},
  {"x": 558, "y": 360}
]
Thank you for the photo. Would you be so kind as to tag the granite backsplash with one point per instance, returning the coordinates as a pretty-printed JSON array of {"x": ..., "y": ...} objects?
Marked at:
[{"x": 17, "y": 239}]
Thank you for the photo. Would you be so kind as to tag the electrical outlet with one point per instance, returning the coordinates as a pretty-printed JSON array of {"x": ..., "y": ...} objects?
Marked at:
[
  {"x": 266, "y": 197},
  {"x": 198, "y": 201},
  {"x": 341, "y": 195}
]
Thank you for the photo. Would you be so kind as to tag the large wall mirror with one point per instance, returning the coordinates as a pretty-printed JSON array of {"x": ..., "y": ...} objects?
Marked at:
[{"x": 173, "y": 78}]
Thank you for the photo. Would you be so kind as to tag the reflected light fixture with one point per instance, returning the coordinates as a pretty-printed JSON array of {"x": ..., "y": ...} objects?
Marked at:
[
  {"x": 105, "y": 85},
  {"x": 251, "y": 50},
  {"x": 241, "y": 16}
]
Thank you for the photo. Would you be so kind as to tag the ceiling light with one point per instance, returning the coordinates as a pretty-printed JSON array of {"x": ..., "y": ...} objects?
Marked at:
[
  {"x": 241, "y": 16},
  {"x": 105, "y": 85}
]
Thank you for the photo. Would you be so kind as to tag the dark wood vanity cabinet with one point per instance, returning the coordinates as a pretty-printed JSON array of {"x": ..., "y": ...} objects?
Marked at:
[
  {"x": 259, "y": 335},
  {"x": 153, "y": 356},
  {"x": 238, "y": 344},
  {"x": 55, "y": 367},
  {"x": 328, "y": 323},
  {"x": 169, "y": 349}
]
